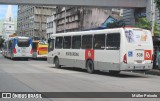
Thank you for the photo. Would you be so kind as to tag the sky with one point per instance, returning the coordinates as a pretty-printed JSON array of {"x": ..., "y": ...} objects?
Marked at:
[{"x": 3, "y": 10}]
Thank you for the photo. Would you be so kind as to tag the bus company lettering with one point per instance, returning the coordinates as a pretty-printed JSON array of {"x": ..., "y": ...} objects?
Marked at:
[{"x": 72, "y": 54}]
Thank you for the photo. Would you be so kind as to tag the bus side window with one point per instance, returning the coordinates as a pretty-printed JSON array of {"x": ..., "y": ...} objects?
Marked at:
[
  {"x": 99, "y": 41},
  {"x": 87, "y": 42},
  {"x": 58, "y": 42},
  {"x": 113, "y": 41},
  {"x": 51, "y": 45},
  {"x": 76, "y": 42},
  {"x": 67, "y": 42},
  {"x": 10, "y": 44}
]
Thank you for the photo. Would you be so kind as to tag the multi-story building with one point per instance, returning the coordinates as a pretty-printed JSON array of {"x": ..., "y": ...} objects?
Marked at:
[
  {"x": 78, "y": 18},
  {"x": 32, "y": 20},
  {"x": 130, "y": 16},
  {"x": 67, "y": 19},
  {"x": 51, "y": 26}
]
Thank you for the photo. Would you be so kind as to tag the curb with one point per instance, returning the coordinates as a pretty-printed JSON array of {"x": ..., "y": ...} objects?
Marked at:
[{"x": 153, "y": 72}]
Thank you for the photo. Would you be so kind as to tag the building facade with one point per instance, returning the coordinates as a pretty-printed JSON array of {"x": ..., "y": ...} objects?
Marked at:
[
  {"x": 8, "y": 25},
  {"x": 32, "y": 20},
  {"x": 130, "y": 16},
  {"x": 70, "y": 19},
  {"x": 51, "y": 27}
]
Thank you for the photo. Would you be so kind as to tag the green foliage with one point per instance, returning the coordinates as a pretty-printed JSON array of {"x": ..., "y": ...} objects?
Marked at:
[
  {"x": 143, "y": 23},
  {"x": 1, "y": 42},
  {"x": 146, "y": 24},
  {"x": 158, "y": 4},
  {"x": 156, "y": 31}
]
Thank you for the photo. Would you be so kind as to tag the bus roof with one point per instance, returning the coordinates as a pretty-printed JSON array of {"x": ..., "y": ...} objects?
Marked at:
[
  {"x": 113, "y": 30},
  {"x": 39, "y": 41},
  {"x": 21, "y": 37}
]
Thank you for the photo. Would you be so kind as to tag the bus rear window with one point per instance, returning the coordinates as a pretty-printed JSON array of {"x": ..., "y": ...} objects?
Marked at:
[
  {"x": 23, "y": 42},
  {"x": 137, "y": 36}
]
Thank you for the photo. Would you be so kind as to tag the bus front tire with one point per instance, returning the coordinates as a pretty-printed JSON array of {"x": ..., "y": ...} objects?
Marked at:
[
  {"x": 114, "y": 72},
  {"x": 56, "y": 62},
  {"x": 90, "y": 66}
]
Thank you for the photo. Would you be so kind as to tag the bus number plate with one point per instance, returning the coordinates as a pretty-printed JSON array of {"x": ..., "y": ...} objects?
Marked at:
[
  {"x": 23, "y": 51},
  {"x": 139, "y": 67},
  {"x": 139, "y": 55}
]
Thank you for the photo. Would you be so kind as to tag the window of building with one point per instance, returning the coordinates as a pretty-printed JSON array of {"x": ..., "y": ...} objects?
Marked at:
[
  {"x": 67, "y": 42},
  {"x": 59, "y": 42},
  {"x": 113, "y": 41},
  {"x": 47, "y": 25},
  {"x": 10, "y": 19},
  {"x": 99, "y": 41},
  {"x": 51, "y": 24},
  {"x": 87, "y": 42},
  {"x": 76, "y": 42}
]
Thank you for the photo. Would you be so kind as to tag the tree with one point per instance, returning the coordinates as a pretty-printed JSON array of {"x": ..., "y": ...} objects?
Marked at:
[
  {"x": 146, "y": 24},
  {"x": 143, "y": 23},
  {"x": 158, "y": 4},
  {"x": 1, "y": 42}
]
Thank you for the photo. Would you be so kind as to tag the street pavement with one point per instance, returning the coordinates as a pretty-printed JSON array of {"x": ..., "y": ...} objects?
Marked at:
[{"x": 39, "y": 76}]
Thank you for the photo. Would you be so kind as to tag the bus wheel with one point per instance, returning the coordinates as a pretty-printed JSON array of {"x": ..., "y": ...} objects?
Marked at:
[
  {"x": 90, "y": 66},
  {"x": 114, "y": 72},
  {"x": 12, "y": 58},
  {"x": 56, "y": 62}
]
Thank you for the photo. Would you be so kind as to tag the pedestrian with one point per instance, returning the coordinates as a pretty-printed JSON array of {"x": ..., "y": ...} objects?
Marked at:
[{"x": 155, "y": 60}]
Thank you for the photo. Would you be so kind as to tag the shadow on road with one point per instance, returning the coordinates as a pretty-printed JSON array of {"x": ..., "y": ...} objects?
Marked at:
[
  {"x": 26, "y": 59},
  {"x": 105, "y": 73},
  {"x": 40, "y": 59}
]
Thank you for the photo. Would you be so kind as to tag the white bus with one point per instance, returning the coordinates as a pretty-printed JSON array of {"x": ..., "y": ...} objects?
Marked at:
[
  {"x": 18, "y": 47},
  {"x": 110, "y": 50}
]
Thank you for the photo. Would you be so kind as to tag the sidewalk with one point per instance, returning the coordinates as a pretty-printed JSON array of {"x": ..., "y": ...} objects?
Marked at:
[
  {"x": 150, "y": 72},
  {"x": 153, "y": 72}
]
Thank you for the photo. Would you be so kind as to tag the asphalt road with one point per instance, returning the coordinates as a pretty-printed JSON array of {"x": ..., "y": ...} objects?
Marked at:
[{"x": 39, "y": 76}]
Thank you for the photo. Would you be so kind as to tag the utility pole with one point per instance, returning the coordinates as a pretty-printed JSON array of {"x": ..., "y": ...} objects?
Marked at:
[
  {"x": 40, "y": 27},
  {"x": 65, "y": 20},
  {"x": 153, "y": 10}
]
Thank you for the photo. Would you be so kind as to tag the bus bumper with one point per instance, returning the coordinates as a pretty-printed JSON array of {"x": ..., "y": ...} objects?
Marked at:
[
  {"x": 42, "y": 56},
  {"x": 50, "y": 60},
  {"x": 22, "y": 56},
  {"x": 133, "y": 67}
]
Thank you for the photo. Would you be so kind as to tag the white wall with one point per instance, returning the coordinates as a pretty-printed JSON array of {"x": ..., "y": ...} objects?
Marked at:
[{"x": 51, "y": 30}]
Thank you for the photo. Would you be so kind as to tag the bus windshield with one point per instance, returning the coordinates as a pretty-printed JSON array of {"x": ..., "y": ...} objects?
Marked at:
[
  {"x": 23, "y": 42},
  {"x": 137, "y": 36},
  {"x": 43, "y": 43}
]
